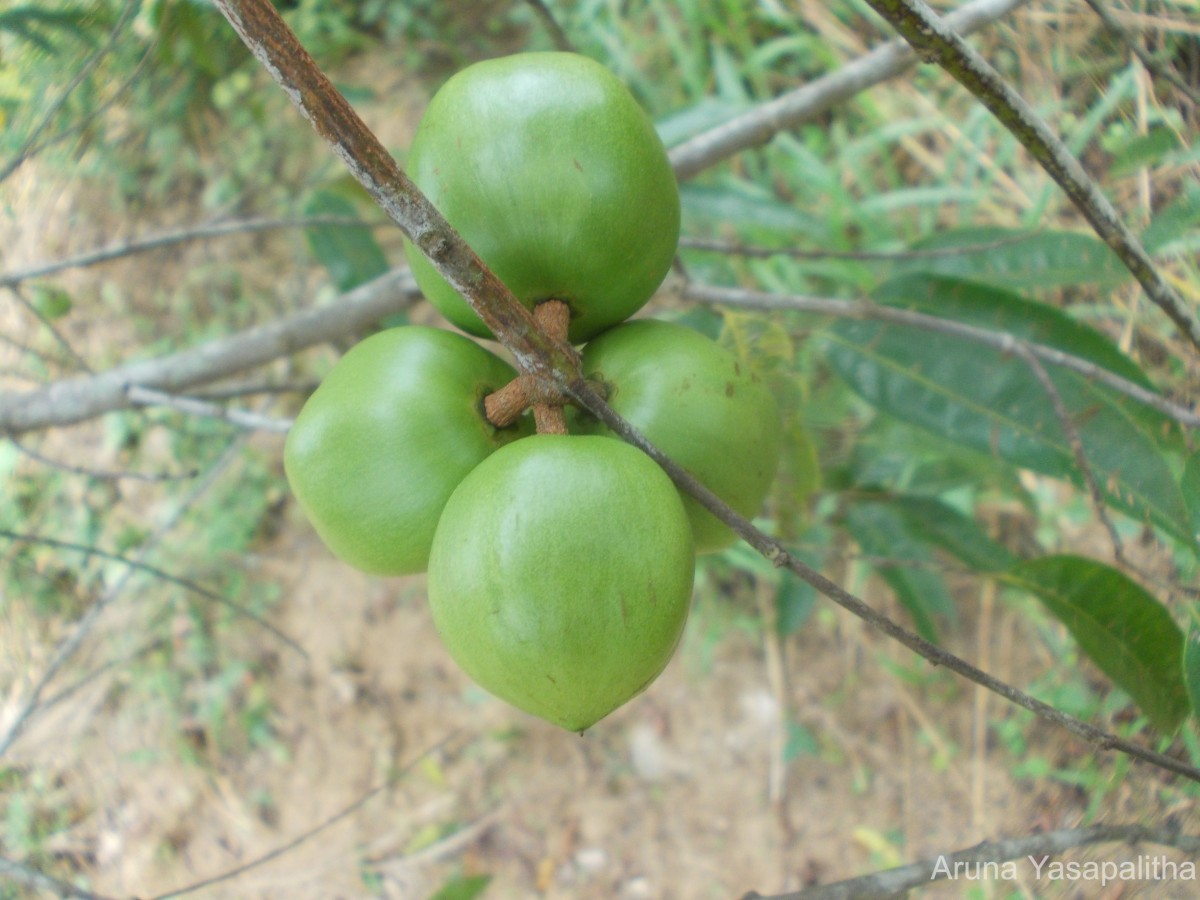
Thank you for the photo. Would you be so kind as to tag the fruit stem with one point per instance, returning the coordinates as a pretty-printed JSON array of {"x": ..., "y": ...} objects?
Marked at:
[
  {"x": 504, "y": 407},
  {"x": 554, "y": 317}
]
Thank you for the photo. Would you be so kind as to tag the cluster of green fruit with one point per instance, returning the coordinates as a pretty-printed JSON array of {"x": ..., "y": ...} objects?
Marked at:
[{"x": 560, "y": 565}]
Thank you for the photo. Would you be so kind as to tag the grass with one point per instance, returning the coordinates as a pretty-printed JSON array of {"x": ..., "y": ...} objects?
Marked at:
[{"x": 899, "y": 164}]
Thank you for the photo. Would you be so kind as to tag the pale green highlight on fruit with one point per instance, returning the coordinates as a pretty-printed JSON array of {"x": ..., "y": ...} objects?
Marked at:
[
  {"x": 556, "y": 177},
  {"x": 387, "y": 437},
  {"x": 561, "y": 575},
  {"x": 700, "y": 406}
]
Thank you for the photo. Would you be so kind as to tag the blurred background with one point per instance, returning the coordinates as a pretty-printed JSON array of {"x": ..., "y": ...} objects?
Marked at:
[{"x": 190, "y": 682}]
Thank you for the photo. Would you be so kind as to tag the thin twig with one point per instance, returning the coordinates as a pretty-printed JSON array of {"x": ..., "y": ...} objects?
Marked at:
[
  {"x": 273, "y": 44},
  {"x": 306, "y": 836},
  {"x": 70, "y": 645},
  {"x": 1135, "y": 47},
  {"x": 759, "y": 125},
  {"x": 177, "y": 580},
  {"x": 1075, "y": 442},
  {"x": 775, "y": 553},
  {"x": 999, "y": 340},
  {"x": 59, "y": 337},
  {"x": 555, "y": 30},
  {"x": 131, "y": 6},
  {"x": 20, "y": 873},
  {"x": 99, "y": 109},
  {"x": 935, "y": 40},
  {"x": 73, "y": 400},
  {"x": 255, "y": 387},
  {"x": 734, "y": 249},
  {"x": 179, "y": 236},
  {"x": 1036, "y": 848},
  {"x": 101, "y": 474},
  {"x": 140, "y": 396}
]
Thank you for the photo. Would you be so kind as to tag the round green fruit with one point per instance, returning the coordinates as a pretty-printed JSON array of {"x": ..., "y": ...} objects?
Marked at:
[
  {"x": 383, "y": 442},
  {"x": 697, "y": 404},
  {"x": 561, "y": 575},
  {"x": 556, "y": 177}
]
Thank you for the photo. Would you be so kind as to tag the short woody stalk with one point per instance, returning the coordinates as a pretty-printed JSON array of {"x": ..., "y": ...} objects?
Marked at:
[{"x": 505, "y": 406}]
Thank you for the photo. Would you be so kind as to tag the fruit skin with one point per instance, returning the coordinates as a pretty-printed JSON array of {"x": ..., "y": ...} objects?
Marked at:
[
  {"x": 561, "y": 575},
  {"x": 556, "y": 177},
  {"x": 379, "y": 447},
  {"x": 699, "y": 405}
]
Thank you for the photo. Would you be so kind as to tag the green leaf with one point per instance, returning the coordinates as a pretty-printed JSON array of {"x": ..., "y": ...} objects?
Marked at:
[
  {"x": 1142, "y": 150},
  {"x": 740, "y": 203},
  {"x": 51, "y": 302},
  {"x": 1124, "y": 630},
  {"x": 1178, "y": 219},
  {"x": 794, "y": 603},
  {"x": 350, "y": 255},
  {"x": 463, "y": 888},
  {"x": 1191, "y": 669},
  {"x": 1190, "y": 486},
  {"x": 882, "y": 532},
  {"x": 1014, "y": 259},
  {"x": 961, "y": 536},
  {"x": 993, "y": 402}
]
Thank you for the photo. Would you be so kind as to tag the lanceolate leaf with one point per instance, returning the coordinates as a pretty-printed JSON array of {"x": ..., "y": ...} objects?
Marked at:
[
  {"x": 1013, "y": 259},
  {"x": 959, "y": 535},
  {"x": 1177, "y": 225},
  {"x": 1190, "y": 485},
  {"x": 1124, "y": 630},
  {"x": 1191, "y": 669},
  {"x": 903, "y": 561},
  {"x": 994, "y": 403}
]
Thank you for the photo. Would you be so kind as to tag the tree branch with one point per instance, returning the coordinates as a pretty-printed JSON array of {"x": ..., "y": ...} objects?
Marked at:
[
  {"x": 1036, "y": 848},
  {"x": 775, "y": 553},
  {"x": 263, "y": 30},
  {"x": 20, "y": 873},
  {"x": 999, "y": 340},
  {"x": 69, "y": 646},
  {"x": 759, "y": 125},
  {"x": 170, "y": 238},
  {"x": 308, "y": 835},
  {"x": 154, "y": 571},
  {"x": 936, "y": 41},
  {"x": 76, "y": 399},
  {"x": 279, "y": 51}
]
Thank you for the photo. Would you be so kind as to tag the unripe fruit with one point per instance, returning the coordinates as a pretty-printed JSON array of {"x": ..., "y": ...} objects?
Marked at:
[
  {"x": 561, "y": 575},
  {"x": 547, "y": 166},
  {"x": 383, "y": 442},
  {"x": 699, "y": 405}
]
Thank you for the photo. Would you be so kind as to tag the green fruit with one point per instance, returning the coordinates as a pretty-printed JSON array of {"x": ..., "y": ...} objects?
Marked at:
[
  {"x": 383, "y": 442},
  {"x": 700, "y": 406},
  {"x": 561, "y": 575},
  {"x": 556, "y": 177}
]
